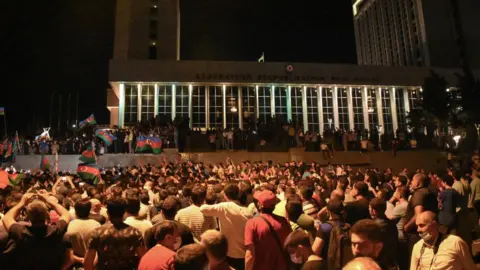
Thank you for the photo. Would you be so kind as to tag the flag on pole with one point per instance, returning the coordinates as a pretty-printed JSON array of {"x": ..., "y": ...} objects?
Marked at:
[
  {"x": 89, "y": 172},
  {"x": 16, "y": 143},
  {"x": 56, "y": 162},
  {"x": 9, "y": 151},
  {"x": 15, "y": 179},
  {"x": 89, "y": 121},
  {"x": 2, "y": 110},
  {"x": 105, "y": 136},
  {"x": 145, "y": 144},
  {"x": 44, "y": 163},
  {"x": 262, "y": 58},
  {"x": 88, "y": 156}
]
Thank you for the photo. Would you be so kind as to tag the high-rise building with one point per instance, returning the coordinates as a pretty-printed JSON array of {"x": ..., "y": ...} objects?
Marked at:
[
  {"x": 147, "y": 30},
  {"x": 431, "y": 33}
]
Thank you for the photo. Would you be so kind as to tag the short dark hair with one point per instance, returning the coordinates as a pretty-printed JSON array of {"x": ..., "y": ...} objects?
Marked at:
[
  {"x": 198, "y": 195},
  {"x": 368, "y": 229},
  {"x": 297, "y": 237},
  {"x": 190, "y": 257},
  {"x": 170, "y": 207},
  {"x": 82, "y": 208},
  {"x": 336, "y": 207},
  {"x": 294, "y": 207},
  {"x": 447, "y": 179},
  {"x": 306, "y": 191},
  {"x": 379, "y": 205},
  {"x": 163, "y": 229},
  {"x": 231, "y": 191},
  {"x": 402, "y": 179},
  {"x": 362, "y": 188},
  {"x": 132, "y": 204},
  {"x": 116, "y": 207},
  {"x": 403, "y": 191}
]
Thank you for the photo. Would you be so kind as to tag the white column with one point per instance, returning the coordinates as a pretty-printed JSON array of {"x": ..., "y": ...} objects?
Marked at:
[
  {"x": 289, "y": 103},
  {"x": 350, "y": 108},
  {"x": 304, "y": 109},
  {"x": 336, "y": 120},
  {"x": 121, "y": 105},
  {"x": 207, "y": 106},
  {"x": 379, "y": 109},
  {"x": 366, "y": 119},
  {"x": 240, "y": 107},
  {"x": 190, "y": 105},
  {"x": 139, "y": 102},
  {"x": 272, "y": 100},
  {"x": 155, "y": 102},
  {"x": 393, "y": 105},
  {"x": 405, "y": 100},
  {"x": 257, "y": 107},
  {"x": 320, "y": 110},
  {"x": 174, "y": 101},
  {"x": 224, "y": 99}
]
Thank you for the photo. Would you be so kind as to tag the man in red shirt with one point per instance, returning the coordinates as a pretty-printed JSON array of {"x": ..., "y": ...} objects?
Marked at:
[
  {"x": 265, "y": 235},
  {"x": 161, "y": 256}
]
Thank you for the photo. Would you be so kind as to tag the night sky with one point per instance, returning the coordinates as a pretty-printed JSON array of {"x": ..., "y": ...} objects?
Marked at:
[{"x": 62, "y": 47}]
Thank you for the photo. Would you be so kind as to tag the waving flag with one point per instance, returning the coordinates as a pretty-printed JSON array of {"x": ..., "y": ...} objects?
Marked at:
[
  {"x": 44, "y": 163},
  {"x": 145, "y": 144},
  {"x": 9, "y": 151},
  {"x": 89, "y": 121},
  {"x": 15, "y": 179},
  {"x": 2, "y": 111},
  {"x": 88, "y": 156},
  {"x": 89, "y": 172},
  {"x": 105, "y": 136}
]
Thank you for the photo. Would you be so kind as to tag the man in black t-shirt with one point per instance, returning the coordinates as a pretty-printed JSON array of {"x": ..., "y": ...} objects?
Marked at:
[
  {"x": 421, "y": 200},
  {"x": 39, "y": 246}
]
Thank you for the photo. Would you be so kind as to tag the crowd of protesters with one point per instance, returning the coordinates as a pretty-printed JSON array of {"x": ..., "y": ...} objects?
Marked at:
[{"x": 252, "y": 215}]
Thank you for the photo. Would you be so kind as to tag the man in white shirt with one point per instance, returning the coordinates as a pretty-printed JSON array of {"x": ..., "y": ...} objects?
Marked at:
[
  {"x": 232, "y": 217},
  {"x": 193, "y": 217},
  {"x": 131, "y": 211},
  {"x": 436, "y": 251}
]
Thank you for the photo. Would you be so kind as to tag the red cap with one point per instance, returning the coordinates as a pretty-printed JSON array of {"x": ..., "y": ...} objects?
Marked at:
[{"x": 266, "y": 198}]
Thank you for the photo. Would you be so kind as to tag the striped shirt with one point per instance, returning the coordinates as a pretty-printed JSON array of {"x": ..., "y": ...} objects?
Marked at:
[{"x": 195, "y": 220}]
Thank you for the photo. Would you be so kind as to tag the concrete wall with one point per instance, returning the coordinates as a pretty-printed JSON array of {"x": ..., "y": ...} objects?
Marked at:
[{"x": 429, "y": 160}]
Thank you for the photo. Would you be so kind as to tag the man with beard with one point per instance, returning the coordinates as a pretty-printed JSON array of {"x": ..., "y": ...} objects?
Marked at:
[
  {"x": 438, "y": 251},
  {"x": 367, "y": 240}
]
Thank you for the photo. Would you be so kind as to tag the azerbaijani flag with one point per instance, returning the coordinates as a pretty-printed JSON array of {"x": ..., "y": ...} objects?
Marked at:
[
  {"x": 15, "y": 146},
  {"x": 88, "y": 156},
  {"x": 142, "y": 145},
  {"x": 2, "y": 110},
  {"x": 145, "y": 143},
  {"x": 15, "y": 179},
  {"x": 44, "y": 163},
  {"x": 105, "y": 136},
  {"x": 89, "y": 121},
  {"x": 155, "y": 143},
  {"x": 9, "y": 151},
  {"x": 89, "y": 172}
]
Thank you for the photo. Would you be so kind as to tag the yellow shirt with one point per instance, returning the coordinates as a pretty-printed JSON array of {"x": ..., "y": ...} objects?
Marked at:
[{"x": 453, "y": 254}]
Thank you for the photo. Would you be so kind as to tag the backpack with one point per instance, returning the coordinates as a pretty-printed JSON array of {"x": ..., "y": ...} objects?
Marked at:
[{"x": 339, "y": 247}]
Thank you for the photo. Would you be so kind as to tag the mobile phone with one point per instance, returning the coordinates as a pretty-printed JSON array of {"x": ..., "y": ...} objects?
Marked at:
[{"x": 64, "y": 178}]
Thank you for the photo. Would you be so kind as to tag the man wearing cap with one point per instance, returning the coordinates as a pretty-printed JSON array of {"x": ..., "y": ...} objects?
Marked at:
[{"x": 265, "y": 235}]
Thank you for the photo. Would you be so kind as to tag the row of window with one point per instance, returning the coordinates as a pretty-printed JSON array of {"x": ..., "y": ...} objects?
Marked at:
[{"x": 241, "y": 101}]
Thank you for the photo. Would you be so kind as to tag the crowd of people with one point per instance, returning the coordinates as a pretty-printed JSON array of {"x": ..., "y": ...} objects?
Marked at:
[{"x": 252, "y": 215}]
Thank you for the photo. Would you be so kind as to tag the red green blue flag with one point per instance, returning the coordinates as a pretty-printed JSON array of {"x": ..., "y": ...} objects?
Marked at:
[
  {"x": 9, "y": 151},
  {"x": 2, "y": 111},
  {"x": 44, "y": 163},
  {"x": 149, "y": 143},
  {"x": 15, "y": 179},
  {"x": 89, "y": 121},
  {"x": 89, "y": 172},
  {"x": 88, "y": 156},
  {"x": 105, "y": 136}
]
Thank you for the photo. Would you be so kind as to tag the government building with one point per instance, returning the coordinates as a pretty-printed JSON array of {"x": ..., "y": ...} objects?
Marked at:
[{"x": 148, "y": 79}]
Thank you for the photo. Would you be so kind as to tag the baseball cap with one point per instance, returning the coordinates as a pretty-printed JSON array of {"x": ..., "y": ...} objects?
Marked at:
[{"x": 266, "y": 198}]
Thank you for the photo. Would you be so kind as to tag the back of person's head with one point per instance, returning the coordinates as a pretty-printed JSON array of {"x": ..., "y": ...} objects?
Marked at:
[
  {"x": 216, "y": 244},
  {"x": 342, "y": 183},
  {"x": 191, "y": 257},
  {"x": 306, "y": 191},
  {"x": 367, "y": 229},
  {"x": 198, "y": 195},
  {"x": 144, "y": 197},
  {"x": 37, "y": 212},
  {"x": 132, "y": 204},
  {"x": 231, "y": 191},
  {"x": 379, "y": 206},
  {"x": 170, "y": 207},
  {"x": 335, "y": 207},
  {"x": 187, "y": 191},
  {"x": 116, "y": 208},
  {"x": 447, "y": 180},
  {"x": 362, "y": 188},
  {"x": 164, "y": 229},
  {"x": 362, "y": 263},
  {"x": 289, "y": 191},
  {"x": 297, "y": 238},
  {"x": 402, "y": 192},
  {"x": 82, "y": 208},
  {"x": 294, "y": 207}
]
